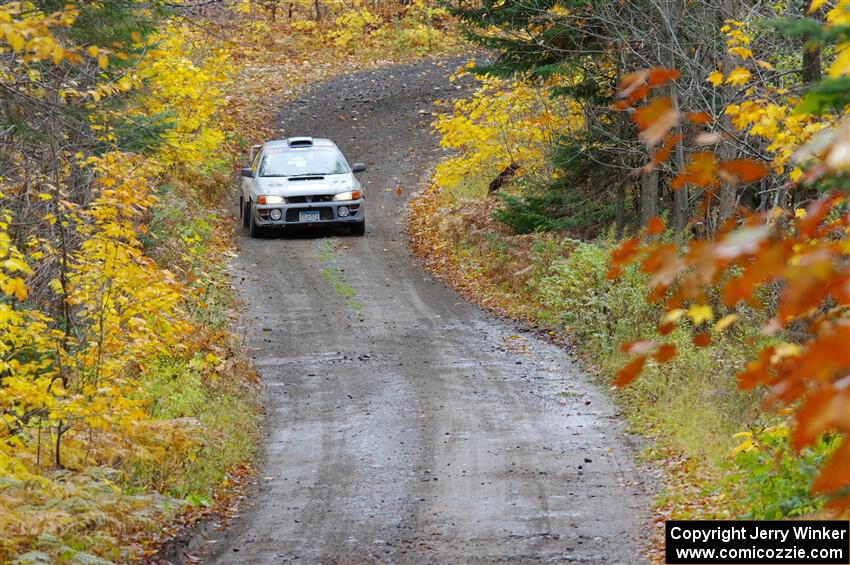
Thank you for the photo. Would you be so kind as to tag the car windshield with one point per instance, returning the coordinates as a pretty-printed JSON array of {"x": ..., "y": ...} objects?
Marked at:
[{"x": 286, "y": 163}]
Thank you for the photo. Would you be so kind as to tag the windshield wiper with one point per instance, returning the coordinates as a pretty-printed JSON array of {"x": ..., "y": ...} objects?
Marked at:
[{"x": 308, "y": 175}]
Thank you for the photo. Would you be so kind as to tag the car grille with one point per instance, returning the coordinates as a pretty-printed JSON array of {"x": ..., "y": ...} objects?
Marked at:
[
  {"x": 309, "y": 199},
  {"x": 324, "y": 213}
]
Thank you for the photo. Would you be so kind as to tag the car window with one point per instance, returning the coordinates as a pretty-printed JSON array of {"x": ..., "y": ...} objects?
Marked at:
[
  {"x": 285, "y": 163},
  {"x": 256, "y": 162}
]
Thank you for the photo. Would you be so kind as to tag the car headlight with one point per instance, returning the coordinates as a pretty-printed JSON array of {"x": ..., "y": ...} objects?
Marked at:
[
  {"x": 351, "y": 195},
  {"x": 271, "y": 200}
]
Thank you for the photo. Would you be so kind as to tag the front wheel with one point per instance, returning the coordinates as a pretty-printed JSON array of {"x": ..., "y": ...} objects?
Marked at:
[
  {"x": 358, "y": 228},
  {"x": 254, "y": 230},
  {"x": 246, "y": 213}
]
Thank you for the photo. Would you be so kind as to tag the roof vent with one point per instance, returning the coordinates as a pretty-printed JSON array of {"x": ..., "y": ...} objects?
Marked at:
[{"x": 300, "y": 142}]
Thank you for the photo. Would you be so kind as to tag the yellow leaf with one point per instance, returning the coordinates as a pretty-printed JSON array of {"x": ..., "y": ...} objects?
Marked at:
[
  {"x": 700, "y": 313},
  {"x": 815, "y": 5},
  {"x": 57, "y": 54},
  {"x": 725, "y": 322},
  {"x": 16, "y": 287},
  {"x": 16, "y": 41},
  {"x": 673, "y": 315},
  {"x": 93, "y": 50},
  {"x": 742, "y": 52},
  {"x": 746, "y": 445},
  {"x": 12, "y": 264},
  {"x": 715, "y": 78},
  {"x": 764, "y": 64},
  {"x": 738, "y": 77},
  {"x": 841, "y": 65},
  {"x": 785, "y": 350},
  {"x": 103, "y": 61}
]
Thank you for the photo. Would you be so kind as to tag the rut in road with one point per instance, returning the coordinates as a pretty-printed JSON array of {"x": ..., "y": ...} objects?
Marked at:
[{"x": 404, "y": 425}]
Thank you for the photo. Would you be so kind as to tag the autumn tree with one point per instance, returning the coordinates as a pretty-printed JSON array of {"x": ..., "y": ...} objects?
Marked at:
[
  {"x": 593, "y": 44},
  {"x": 801, "y": 253}
]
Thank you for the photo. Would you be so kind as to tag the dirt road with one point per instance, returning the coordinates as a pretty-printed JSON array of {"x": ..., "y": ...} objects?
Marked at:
[{"x": 404, "y": 425}]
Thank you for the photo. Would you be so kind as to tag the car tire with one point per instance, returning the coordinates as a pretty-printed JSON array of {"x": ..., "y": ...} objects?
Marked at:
[
  {"x": 358, "y": 228},
  {"x": 246, "y": 213},
  {"x": 254, "y": 230}
]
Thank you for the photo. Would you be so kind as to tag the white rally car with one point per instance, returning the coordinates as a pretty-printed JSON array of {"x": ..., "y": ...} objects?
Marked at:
[{"x": 301, "y": 181}]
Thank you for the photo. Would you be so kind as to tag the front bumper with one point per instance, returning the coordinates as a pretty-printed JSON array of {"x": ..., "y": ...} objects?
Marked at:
[{"x": 290, "y": 214}]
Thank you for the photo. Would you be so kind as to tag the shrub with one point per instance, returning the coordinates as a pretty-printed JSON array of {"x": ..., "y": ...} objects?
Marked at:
[{"x": 771, "y": 481}]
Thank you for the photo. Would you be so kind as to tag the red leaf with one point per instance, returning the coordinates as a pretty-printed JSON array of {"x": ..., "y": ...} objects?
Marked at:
[
  {"x": 636, "y": 95},
  {"x": 702, "y": 340},
  {"x": 655, "y": 119},
  {"x": 835, "y": 473},
  {"x": 745, "y": 170},
  {"x": 632, "y": 88},
  {"x": 659, "y": 76},
  {"x": 807, "y": 284},
  {"x": 756, "y": 371},
  {"x": 664, "y": 264},
  {"x": 625, "y": 251},
  {"x": 768, "y": 264},
  {"x": 807, "y": 226},
  {"x": 628, "y": 373},
  {"x": 655, "y": 226},
  {"x": 663, "y": 154},
  {"x": 613, "y": 273},
  {"x": 700, "y": 118},
  {"x": 630, "y": 81},
  {"x": 825, "y": 410},
  {"x": 701, "y": 171},
  {"x": 665, "y": 352}
]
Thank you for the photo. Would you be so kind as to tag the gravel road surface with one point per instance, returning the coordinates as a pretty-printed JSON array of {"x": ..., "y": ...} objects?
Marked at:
[{"x": 403, "y": 424}]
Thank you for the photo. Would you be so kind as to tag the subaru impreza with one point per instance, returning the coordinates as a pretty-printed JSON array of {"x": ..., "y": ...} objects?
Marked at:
[{"x": 301, "y": 181}]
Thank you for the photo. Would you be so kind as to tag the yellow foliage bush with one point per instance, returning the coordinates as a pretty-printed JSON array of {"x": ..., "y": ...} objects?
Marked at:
[
  {"x": 88, "y": 318},
  {"x": 503, "y": 122},
  {"x": 188, "y": 94}
]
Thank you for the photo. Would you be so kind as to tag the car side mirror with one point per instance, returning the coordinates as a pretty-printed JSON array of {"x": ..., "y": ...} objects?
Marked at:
[
  {"x": 247, "y": 172},
  {"x": 358, "y": 168}
]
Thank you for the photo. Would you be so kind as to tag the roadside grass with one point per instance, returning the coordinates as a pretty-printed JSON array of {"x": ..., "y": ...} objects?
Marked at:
[
  {"x": 197, "y": 438},
  {"x": 215, "y": 391},
  {"x": 227, "y": 423},
  {"x": 722, "y": 456}
]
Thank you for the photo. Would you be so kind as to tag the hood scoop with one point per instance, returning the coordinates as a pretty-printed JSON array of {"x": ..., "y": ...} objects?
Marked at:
[{"x": 296, "y": 179}]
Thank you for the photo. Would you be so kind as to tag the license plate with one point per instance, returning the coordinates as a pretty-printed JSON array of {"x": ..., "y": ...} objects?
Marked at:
[{"x": 311, "y": 216}]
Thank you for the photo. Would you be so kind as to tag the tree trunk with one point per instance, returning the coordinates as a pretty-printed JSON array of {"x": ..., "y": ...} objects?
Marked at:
[
  {"x": 672, "y": 14},
  {"x": 727, "y": 197},
  {"x": 318, "y": 9},
  {"x": 648, "y": 196},
  {"x": 681, "y": 211},
  {"x": 620, "y": 206},
  {"x": 811, "y": 54},
  {"x": 504, "y": 178}
]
